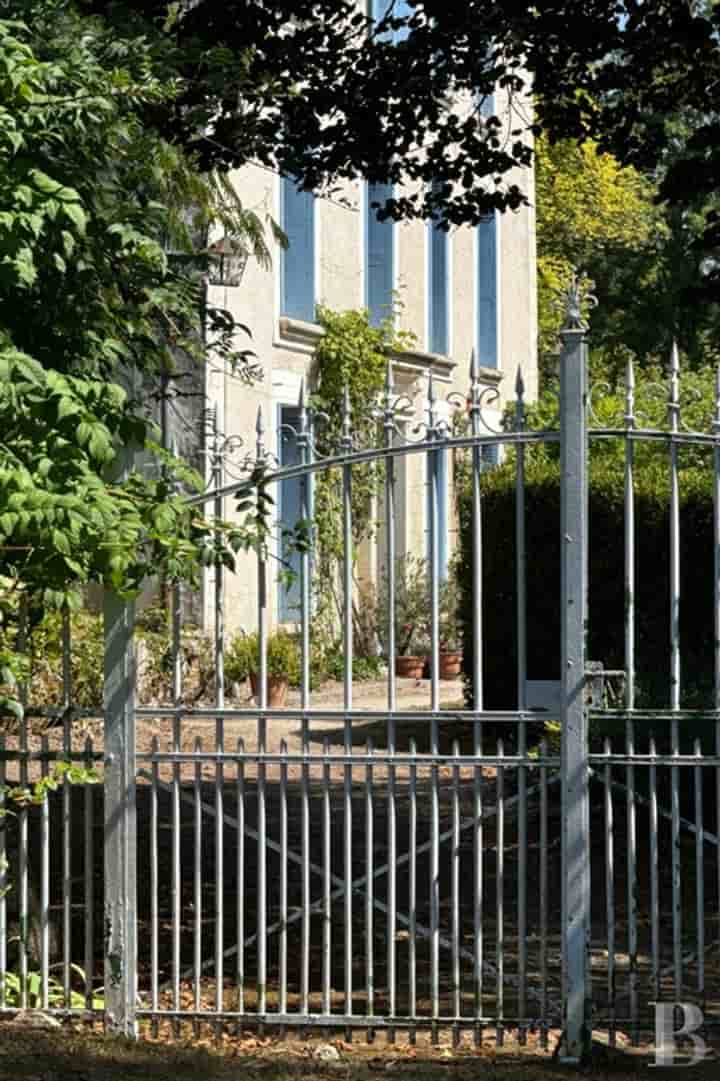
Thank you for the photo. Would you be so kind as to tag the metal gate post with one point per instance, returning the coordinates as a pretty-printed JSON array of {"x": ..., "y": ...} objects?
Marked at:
[
  {"x": 575, "y": 796},
  {"x": 119, "y": 930}
]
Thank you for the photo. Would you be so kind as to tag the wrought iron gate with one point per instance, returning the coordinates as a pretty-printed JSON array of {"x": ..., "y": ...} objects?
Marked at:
[{"x": 386, "y": 868}]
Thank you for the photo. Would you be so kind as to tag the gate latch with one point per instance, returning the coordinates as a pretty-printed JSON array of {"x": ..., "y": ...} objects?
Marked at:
[{"x": 605, "y": 687}]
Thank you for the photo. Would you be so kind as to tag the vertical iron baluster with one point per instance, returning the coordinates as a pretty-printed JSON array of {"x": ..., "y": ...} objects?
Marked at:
[
  {"x": 629, "y": 538},
  {"x": 347, "y": 446},
  {"x": 654, "y": 878},
  {"x": 3, "y": 875},
  {"x": 304, "y": 448},
  {"x": 22, "y": 814},
  {"x": 412, "y": 889},
  {"x": 262, "y": 749},
  {"x": 632, "y": 884},
  {"x": 500, "y": 893},
  {"x": 154, "y": 882},
  {"x": 119, "y": 818},
  {"x": 66, "y": 813},
  {"x": 629, "y": 566},
  {"x": 197, "y": 873},
  {"x": 240, "y": 861},
  {"x": 283, "y": 973},
  {"x": 521, "y": 570},
  {"x": 543, "y": 890},
  {"x": 327, "y": 873},
  {"x": 455, "y": 892},
  {"x": 477, "y": 691},
  {"x": 89, "y": 879},
  {"x": 389, "y": 427},
  {"x": 610, "y": 889},
  {"x": 674, "y": 416},
  {"x": 305, "y": 876},
  {"x": 433, "y": 468},
  {"x": 176, "y": 886},
  {"x": 575, "y": 822},
  {"x": 369, "y": 884},
  {"x": 699, "y": 873},
  {"x": 218, "y": 477},
  {"x": 716, "y": 618},
  {"x": 44, "y": 883}
]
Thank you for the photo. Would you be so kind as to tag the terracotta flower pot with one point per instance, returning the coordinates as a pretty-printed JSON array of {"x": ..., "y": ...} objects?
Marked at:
[
  {"x": 450, "y": 664},
  {"x": 277, "y": 688},
  {"x": 409, "y": 667}
]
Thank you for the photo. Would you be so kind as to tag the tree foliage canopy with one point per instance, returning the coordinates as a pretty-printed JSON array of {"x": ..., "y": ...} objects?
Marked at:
[
  {"x": 591, "y": 213},
  {"x": 323, "y": 93},
  {"x": 91, "y": 197}
]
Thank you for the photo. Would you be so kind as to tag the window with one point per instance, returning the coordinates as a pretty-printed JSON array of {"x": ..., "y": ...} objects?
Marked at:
[
  {"x": 290, "y": 512},
  {"x": 487, "y": 292},
  {"x": 438, "y": 289},
  {"x": 380, "y": 256},
  {"x": 297, "y": 263}
]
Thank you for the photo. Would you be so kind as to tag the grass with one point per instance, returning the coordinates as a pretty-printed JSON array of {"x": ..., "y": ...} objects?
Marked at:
[{"x": 82, "y": 1056}]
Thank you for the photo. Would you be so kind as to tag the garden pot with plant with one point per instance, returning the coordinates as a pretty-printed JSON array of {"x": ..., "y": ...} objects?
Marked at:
[
  {"x": 411, "y": 607},
  {"x": 283, "y": 664},
  {"x": 451, "y": 655}
]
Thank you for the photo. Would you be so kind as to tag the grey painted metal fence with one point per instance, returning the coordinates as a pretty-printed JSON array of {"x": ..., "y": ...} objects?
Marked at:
[{"x": 383, "y": 869}]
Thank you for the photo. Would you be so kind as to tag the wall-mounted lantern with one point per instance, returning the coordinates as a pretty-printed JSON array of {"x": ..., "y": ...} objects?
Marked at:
[{"x": 227, "y": 262}]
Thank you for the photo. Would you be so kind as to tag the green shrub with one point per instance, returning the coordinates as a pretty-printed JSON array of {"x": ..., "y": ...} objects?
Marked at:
[
  {"x": 606, "y": 577},
  {"x": 283, "y": 657},
  {"x": 363, "y": 668},
  {"x": 87, "y": 660}
]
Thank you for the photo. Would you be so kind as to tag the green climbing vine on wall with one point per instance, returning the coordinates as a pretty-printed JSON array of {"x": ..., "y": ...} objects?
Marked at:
[{"x": 351, "y": 354}]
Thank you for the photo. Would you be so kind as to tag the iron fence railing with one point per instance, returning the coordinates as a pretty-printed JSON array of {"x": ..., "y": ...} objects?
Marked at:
[{"x": 383, "y": 866}]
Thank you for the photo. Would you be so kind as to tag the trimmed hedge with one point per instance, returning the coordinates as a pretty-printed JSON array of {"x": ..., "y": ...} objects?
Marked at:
[{"x": 606, "y": 576}]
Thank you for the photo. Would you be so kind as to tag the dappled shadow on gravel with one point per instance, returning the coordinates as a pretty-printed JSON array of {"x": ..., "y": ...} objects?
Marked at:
[{"x": 73, "y": 1055}]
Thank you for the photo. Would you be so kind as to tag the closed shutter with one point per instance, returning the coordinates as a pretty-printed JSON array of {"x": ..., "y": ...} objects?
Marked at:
[
  {"x": 443, "y": 523},
  {"x": 380, "y": 256},
  {"x": 487, "y": 293},
  {"x": 297, "y": 292},
  {"x": 438, "y": 289}
]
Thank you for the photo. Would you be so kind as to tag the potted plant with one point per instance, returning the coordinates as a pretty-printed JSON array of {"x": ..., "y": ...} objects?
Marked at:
[
  {"x": 283, "y": 664},
  {"x": 411, "y": 605},
  {"x": 450, "y": 634}
]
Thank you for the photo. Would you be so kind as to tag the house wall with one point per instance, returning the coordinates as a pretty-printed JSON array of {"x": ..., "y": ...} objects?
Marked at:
[{"x": 285, "y": 346}]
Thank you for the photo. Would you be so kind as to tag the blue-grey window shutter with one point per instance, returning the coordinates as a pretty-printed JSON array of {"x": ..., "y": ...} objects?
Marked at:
[
  {"x": 380, "y": 256},
  {"x": 487, "y": 298},
  {"x": 297, "y": 263},
  {"x": 438, "y": 289},
  {"x": 289, "y": 454},
  {"x": 443, "y": 524}
]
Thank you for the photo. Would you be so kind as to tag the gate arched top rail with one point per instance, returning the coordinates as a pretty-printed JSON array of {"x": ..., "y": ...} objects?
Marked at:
[{"x": 363, "y": 457}]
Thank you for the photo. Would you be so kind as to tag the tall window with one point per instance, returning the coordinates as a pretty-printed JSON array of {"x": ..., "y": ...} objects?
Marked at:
[
  {"x": 438, "y": 289},
  {"x": 487, "y": 292},
  {"x": 290, "y": 509},
  {"x": 297, "y": 262},
  {"x": 380, "y": 248}
]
